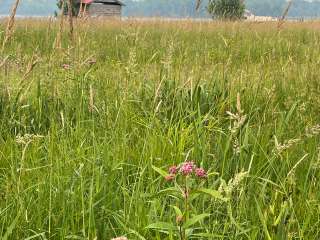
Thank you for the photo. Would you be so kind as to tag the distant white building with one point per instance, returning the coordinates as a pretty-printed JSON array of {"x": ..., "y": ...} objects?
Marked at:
[{"x": 248, "y": 14}]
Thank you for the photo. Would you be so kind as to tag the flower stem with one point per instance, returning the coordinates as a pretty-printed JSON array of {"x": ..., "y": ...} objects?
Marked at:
[{"x": 186, "y": 205}]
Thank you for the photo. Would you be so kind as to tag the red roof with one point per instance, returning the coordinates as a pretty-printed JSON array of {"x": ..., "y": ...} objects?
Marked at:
[{"x": 87, "y": 1}]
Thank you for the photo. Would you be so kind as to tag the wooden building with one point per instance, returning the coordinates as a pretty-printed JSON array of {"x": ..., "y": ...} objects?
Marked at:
[{"x": 100, "y": 8}]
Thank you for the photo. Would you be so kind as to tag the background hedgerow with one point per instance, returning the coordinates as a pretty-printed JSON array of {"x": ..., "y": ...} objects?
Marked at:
[{"x": 82, "y": 126}]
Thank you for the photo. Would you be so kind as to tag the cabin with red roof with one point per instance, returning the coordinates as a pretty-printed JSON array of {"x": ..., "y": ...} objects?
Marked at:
[{"x": 100, "y": 8}]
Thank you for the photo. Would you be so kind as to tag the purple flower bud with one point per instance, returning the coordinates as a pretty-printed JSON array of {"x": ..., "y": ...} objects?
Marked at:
[
  {"x": 201, "y": 173},
  {"x": 173, "y": 170},
  {"x": 187, "y": 168}
]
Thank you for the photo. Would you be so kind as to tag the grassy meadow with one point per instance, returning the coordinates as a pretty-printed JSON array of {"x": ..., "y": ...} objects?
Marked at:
[{"x": 84, "y": 126}]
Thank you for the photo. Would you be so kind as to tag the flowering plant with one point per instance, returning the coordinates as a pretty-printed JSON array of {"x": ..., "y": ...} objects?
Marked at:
[{"x": 188, "y": 180}]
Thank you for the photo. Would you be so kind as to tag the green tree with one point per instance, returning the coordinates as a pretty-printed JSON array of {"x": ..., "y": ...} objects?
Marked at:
[
  {"x": 226, "y": 9},
  {"x": 63, "y": 3}
]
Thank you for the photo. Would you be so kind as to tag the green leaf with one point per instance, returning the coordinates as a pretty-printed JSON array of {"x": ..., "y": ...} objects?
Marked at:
[
  {"x": 171, "y": 192},
  {"x": 167, "y": 191},
  {"x": 160, "y": 171},
  {"x": 73, "y": 237},
  {"x": 263, "y": 221},
  {"x": 163, "y": 226},
  {"x": 195, "y": 219},
  {"x": 194, "y": 195},
  {"x": 38, "y": 235},
  {"x": 11, "y": 227},
  {"x": 207, "y": 235},
  {"x": 284, "y": 207},
  {"x": 178, "y": 211},
  {"x": 213, "y": 193}
]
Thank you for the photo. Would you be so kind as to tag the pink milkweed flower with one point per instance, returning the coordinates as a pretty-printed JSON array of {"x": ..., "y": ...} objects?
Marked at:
[
  {"x": 66, "y": 66},
  {"x": 120, "y": 238},
  {"x": 187, "y": 168},
  {"x": 169, "y": 178},
  {"x": 173, "y": 170},
  {"x": 201, "y": 173}
]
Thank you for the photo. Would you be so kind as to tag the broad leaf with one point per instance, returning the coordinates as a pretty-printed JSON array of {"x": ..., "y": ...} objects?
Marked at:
[
  {"x": 167, "y": 191},
  {"x": 178, "y": 211},
  {"x": 163, "y": 226},
  {"x": 195, "y": 219},
  {"x": 160, "y": 171},
  {"x": 213, "y": 193},
  {"x": 207, "y": 235}
]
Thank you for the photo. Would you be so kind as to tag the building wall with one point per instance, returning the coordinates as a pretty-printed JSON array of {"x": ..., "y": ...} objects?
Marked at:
[{"x": 104, "y": 10}]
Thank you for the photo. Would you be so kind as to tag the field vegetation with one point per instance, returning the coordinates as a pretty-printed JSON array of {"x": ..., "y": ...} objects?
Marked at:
[{"x": 89, "y": 128}]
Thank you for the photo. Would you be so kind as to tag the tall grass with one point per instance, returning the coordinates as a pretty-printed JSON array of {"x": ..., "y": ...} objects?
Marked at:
[{"x": 81, "y": 130}]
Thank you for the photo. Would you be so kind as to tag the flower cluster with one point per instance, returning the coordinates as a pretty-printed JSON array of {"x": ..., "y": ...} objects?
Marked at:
[
  {"x": 27, "y": 138},
  {"x": 66, "y": 66},
  {"x": 201, "y": 173},
  {"x": 186, "y": 169}
]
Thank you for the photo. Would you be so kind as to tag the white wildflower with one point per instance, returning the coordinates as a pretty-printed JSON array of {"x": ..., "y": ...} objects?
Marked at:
[
  {"x": 238, "y": 118},
  {"x": 236, "y": 146},
  {"x": 168, "y": 59},
  {"x": 120, "y": 238},
  {"x": 279, "y": 148},
  {"x": 132, "y": 64},
  {"x": 302, "y": 108},
  {"x": 270, "y": 91},
  {"x": 233, "y": 183},
  {"x": 313, "y": 131},
  {"x": 27, "y": 138},
  {"x": 316, "y": 164},
  {"x": 238, "y": 121}
]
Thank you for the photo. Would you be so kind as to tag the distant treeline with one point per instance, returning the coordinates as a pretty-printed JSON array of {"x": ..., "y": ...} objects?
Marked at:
[{"x": 173, "y": 8}]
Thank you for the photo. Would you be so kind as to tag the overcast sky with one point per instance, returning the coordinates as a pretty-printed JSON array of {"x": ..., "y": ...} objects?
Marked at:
[{"x": 258, "y": 7}]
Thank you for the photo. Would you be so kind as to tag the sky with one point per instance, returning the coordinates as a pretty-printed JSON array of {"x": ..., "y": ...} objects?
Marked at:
[{"x": 48, "y": 7}]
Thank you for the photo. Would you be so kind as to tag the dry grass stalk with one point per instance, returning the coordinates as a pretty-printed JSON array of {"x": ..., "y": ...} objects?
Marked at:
[
  {"x": 62, "y": 119},
  {"x": 10, "y": 24},
  {"x": 83, "y": 10},
  {"x": 240, "y": 111},
  {"x": 91, "y": 99},
  {"x": 26, "y": 86},
  {"x": 80, "y": 14},
  {"x": 70, "y": 19},
  {"x": 31, "y": 65},
  {"x": 59, "y": 34},
  {"x": 4, "y": 61},
  {"x": 284, "y": 15}
]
